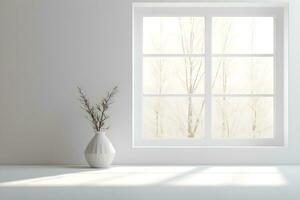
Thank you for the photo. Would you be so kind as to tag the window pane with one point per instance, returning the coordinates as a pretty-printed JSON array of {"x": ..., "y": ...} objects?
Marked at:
[
  {"x": 170, "y": 35},
  {"x": 173, "y": 117},
  {"x": 182, "y": 75},
  {"x": 242, "y": 75},
  {"x": 242, "y": 117},
  {"x": 242, "y": 35}
]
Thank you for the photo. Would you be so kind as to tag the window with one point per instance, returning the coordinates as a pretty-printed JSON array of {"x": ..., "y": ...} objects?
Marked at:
[{"x": 208, "y": 76}]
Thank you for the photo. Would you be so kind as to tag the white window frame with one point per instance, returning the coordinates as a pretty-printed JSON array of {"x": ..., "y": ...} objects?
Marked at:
[{"x": 208, "y": 11}]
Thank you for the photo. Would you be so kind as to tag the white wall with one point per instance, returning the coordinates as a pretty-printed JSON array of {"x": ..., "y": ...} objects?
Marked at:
[{"x": 48, "y": 47}]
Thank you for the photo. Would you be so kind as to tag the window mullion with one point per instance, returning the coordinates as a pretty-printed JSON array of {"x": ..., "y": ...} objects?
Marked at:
[
  {"x": 208, "y": 44},
  {"x": 173, "y": 55}
]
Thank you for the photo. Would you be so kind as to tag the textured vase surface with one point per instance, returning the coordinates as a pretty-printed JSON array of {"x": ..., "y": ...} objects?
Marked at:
[{"x": 100, "y": 152}]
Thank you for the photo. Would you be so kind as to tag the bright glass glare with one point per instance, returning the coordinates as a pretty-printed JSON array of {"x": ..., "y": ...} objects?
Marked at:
[
  {"x": 242, "y": 35},
  {"x": 168, "y": 75},
  {"x": 166, "y": 117},
  {"x": 169, "y": 35},
  {"x": 242, "y": 75},
  {"x": 242, "y": 117}
]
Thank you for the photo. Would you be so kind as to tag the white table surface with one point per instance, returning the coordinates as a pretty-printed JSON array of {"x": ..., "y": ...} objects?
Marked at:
[{"x": 150, "y": 182}]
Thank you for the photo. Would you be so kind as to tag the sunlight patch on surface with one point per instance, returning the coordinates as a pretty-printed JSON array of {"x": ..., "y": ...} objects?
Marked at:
[
  {"x": 159, "y": 176},
  {"x": 234, "y": 176}
]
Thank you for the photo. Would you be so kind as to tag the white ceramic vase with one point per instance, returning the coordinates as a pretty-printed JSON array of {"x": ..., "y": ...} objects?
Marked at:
[{"x": 100, "y": 152}]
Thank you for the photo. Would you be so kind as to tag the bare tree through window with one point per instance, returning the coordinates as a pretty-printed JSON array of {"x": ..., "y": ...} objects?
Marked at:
[{"x": 174, "y": 77}]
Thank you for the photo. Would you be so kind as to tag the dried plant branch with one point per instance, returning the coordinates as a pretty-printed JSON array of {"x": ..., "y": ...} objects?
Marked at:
[{"x": 97, "y": 114}]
